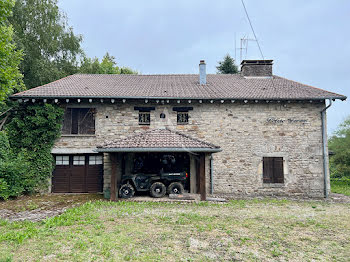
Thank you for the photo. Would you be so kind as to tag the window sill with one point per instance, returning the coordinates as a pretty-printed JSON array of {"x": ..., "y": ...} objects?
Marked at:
[
  {"x": 77, "y": 135},
  {"x": 278, "y": 185}
]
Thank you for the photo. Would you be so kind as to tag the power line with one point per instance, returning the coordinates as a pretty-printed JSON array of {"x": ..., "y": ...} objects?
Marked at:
[
  {"x": 251, "y": 26},
  {"x": 256, "y": 39}
]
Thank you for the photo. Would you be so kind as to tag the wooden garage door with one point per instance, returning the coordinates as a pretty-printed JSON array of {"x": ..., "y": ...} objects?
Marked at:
[{"x": 78, "y": 174}]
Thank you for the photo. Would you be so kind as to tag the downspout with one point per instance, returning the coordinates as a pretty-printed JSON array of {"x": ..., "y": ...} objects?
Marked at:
[
  {"x": 324, "y": 145},
  {"x": 211, "y": 175}
]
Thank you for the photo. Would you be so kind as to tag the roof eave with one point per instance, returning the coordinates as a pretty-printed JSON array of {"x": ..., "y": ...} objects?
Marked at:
[
  {"x": 162, "y": 149},
  {"x": 173, "y": 98}
]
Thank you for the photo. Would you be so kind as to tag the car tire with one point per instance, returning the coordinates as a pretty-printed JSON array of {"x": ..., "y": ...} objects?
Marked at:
[
  {"x": 175, "y": 188},
  {"x": 126, "y": 191},
  {"x": 158, "y": 189}
]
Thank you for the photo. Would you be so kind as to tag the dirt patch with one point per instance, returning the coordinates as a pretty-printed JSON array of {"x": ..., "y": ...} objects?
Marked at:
[{"x": 39, "y": 207}]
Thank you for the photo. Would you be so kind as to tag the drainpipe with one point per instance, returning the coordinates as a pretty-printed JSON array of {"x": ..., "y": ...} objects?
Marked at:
[
  {"x": 324, "y": 145},
  {"x": 211, "y": 175}
]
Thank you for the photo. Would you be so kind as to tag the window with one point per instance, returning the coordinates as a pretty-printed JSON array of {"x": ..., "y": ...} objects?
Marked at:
[
  {"x": 144, "y": 118},
  {"x": 62, "y": 160},
  {"x": 79, "y": 160},
  {"x": 182, "y": 114},
  {"x": 79, "y": 121},
  {"x": 95, "y": 160},
  {"x": 273, "y": 170},
  {"x": 182, "y": 118}
]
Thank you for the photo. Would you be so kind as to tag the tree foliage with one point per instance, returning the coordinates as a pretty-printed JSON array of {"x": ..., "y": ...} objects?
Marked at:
[
  {"x": 51, "y": 49},
  {"x": 108, "y": 65},
  {"x": 227, "y": 66},
  {"x": 31, "y": 135},
  {"x": 10, "y": 58},
  {"x": 339, "y": 143}
]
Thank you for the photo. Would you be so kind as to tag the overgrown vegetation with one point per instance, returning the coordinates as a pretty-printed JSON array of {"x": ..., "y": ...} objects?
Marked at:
[
  {"x": 340, "y": 186},
  {"x": 26, "y": 160},
  {"x": 242, "y": 230},
  {"x": 339, "y": 162},
  {"x": 339, "y": 144}
]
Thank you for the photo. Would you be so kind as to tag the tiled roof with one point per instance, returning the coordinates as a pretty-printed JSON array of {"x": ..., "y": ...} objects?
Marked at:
[
  {"x": 176, "y": 86},
  {"x": 158, "y": 140}
]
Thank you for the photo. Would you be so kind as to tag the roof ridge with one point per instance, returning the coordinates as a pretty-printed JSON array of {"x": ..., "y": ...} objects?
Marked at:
[{"x": 150, "y": 75}]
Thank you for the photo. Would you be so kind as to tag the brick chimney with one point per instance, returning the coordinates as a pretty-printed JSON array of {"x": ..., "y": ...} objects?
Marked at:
[
  {"x": 202, "y": 73},
  {"x": 256, "y": 68}
]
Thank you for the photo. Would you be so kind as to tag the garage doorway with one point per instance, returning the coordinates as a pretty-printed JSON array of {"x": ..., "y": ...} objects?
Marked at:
[
  {"x": 157, "y": 162},
  {"x": 78, "y": 174}
]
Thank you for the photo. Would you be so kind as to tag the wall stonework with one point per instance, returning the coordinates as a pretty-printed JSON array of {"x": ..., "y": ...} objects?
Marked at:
[{"x": 246, "y": 132}]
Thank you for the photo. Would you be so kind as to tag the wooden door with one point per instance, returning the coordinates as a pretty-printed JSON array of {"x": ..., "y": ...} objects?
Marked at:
[{"x": 78, "y": 174}]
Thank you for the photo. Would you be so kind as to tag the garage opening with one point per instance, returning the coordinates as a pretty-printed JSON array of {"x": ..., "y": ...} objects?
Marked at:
[
  {"x": 78, "y": 174},
  {"x": 148, "y": 164}
]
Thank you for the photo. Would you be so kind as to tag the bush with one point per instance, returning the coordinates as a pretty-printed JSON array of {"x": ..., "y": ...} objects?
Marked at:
[
  {"x": 13, "y": 170},
  {"x": 26, "y": 162}
]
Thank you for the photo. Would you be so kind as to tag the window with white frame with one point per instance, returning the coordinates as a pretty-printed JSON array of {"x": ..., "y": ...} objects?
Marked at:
[
  {"x": 95, "y": 160},
  {"x": 79, "y": 160},
  {"x": 62, "y": 160}
]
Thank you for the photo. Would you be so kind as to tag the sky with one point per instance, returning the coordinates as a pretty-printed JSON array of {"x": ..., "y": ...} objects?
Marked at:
[{"x": 309, "y": 41}]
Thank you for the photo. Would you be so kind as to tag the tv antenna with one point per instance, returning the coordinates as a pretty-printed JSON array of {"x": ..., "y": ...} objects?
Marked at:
[{"x": 243, "y": 47}]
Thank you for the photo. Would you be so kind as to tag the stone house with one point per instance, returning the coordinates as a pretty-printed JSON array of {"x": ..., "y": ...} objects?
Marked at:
[{"x": 252, "y": 133}]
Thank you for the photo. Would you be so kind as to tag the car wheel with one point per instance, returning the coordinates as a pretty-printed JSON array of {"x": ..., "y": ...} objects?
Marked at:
[
  {"x": 158, "y": 189},
  {"x": 126, "y": 191},
  {"x": 175, "y": 188}
]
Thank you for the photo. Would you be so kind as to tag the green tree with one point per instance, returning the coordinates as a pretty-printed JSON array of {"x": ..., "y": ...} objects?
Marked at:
[
  {"x": 108, "y": 65},
  {"x": 227, "y": 66},
  {"x": 339, "y": 143},
  {"x": 51, "y": 49},
  {"x": 10, "y": 58}
]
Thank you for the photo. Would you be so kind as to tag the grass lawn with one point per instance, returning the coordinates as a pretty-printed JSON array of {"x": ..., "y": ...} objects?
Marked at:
[
  {"x": 340, "y": 187},
  {"x": 248, "y": 230}
]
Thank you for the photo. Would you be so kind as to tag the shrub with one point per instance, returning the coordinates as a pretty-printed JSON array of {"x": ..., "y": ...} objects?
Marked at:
[
  {"x": 13, "y": 170},
  {"x": 26, "y": 162}
]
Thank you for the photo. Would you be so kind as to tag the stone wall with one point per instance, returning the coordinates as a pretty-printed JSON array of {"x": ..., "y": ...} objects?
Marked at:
[{"x": 246, "y": 132}]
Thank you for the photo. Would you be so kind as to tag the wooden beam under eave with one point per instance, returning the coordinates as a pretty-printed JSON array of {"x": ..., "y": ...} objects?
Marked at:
[
  {"x": 113, "y": 196},
  {"x": 202, "y": 186}
]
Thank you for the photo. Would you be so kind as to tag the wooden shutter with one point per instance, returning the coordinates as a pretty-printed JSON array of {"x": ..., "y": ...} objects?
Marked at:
[
  {"x": 278, "y": 176},
  {"x": 67, "y": 121},
  {"x": 268, "y": 169},
  {"x": 86, "y": 121},
  {"x": 273, "y": 170}
]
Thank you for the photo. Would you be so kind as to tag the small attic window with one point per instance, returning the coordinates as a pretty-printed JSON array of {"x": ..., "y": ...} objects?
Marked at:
[
  {"x": 144, "y": 118},
  {"x": 182, "y": 118}
]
